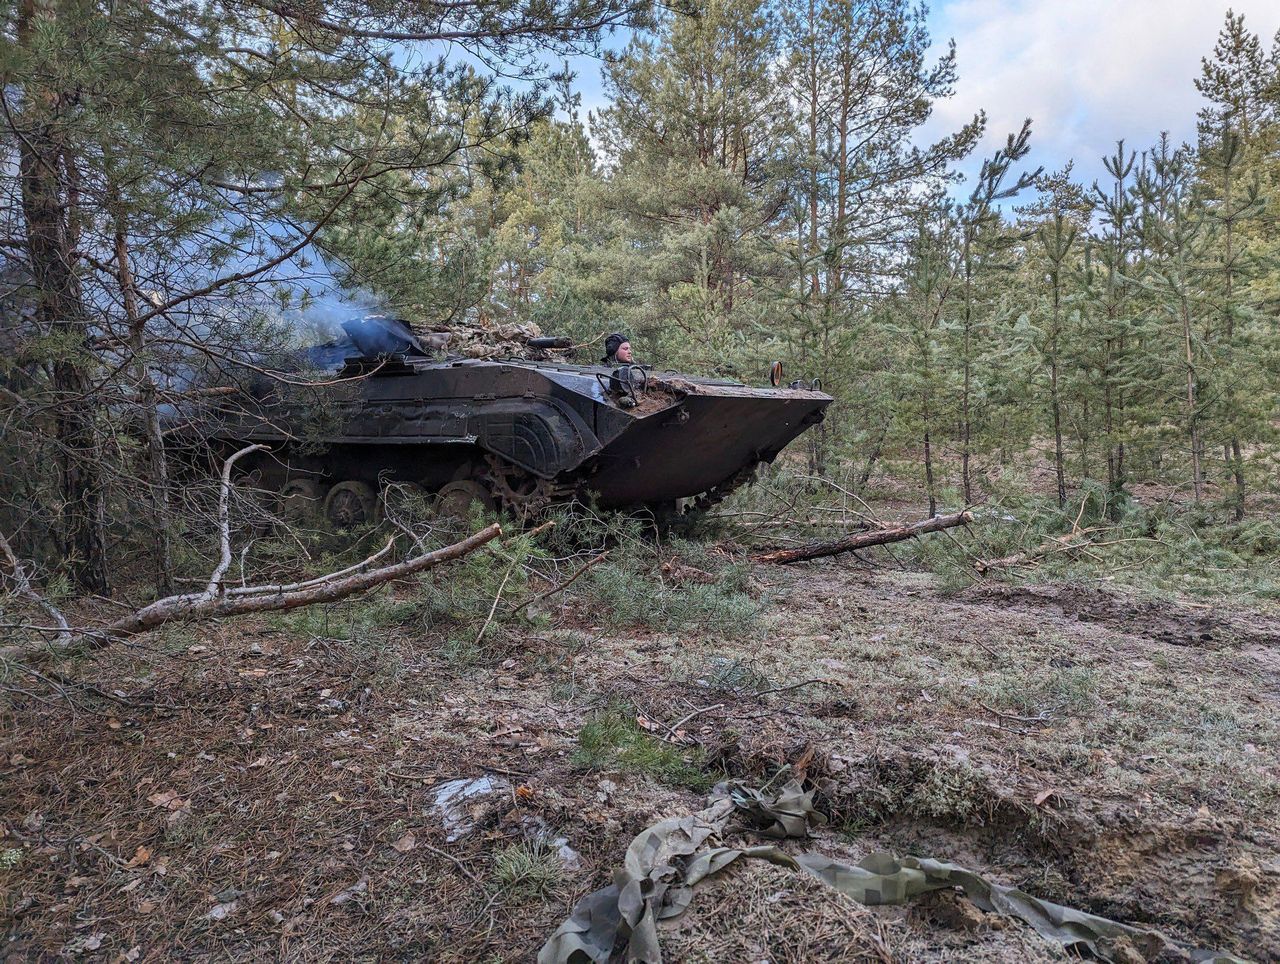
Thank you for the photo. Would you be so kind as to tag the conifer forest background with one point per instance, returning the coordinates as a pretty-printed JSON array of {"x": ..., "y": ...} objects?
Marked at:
[{"x": 756, "y": 189}]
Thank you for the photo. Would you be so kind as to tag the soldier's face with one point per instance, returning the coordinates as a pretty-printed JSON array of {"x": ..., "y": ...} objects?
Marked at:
[{"x": 623, "y": 354}]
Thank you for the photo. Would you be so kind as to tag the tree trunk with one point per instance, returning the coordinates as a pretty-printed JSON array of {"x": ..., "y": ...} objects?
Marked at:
[
  {"x": 928, "y": 474},
  {"x": 1055, "y": 401},
  {"x": 157, "y": 459},
  {"x": 60, "y": 312},
  {"x": 873, "y": 457},
  {"x": 1235, "y": 459},
  {"x": 1193, "y": 428},
  {"x": 1237, "y": 467},
  {"x": 839, "y": 228},
  {"x": 813, "y": 91},
  {"x": 1058, "y": 457},
  {"x": 1108, "y": 432},
  {"x": 818, "y": 450},
  {"x": 966, "y": 423}
]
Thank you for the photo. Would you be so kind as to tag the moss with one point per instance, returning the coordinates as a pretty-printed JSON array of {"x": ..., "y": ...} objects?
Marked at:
[
  {"x": 954, "y": 793},
  {"x": 1051, "y": 690}
]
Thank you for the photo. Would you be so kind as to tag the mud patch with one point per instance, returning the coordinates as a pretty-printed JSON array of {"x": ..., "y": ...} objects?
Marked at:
[{"x": 1178, "y": 624}]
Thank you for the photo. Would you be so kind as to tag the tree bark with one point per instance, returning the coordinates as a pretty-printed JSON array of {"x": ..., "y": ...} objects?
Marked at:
[
  {"x": 1055, "y": 400},
  {"x": 1193, "y": 427},
  {"x": 863, "y": 540},
  {"x": 966, "y": 427},
  {"x": 60, "y": 311},
  {"x": 1235, "y": 458},
  {"x": 928, "y": 471},
  {"x": 873, "y": 457},
  {"x": 1237, "y": 467},
  {"x": 840, "y": 228},
  {"x": 813, "y": 95}
]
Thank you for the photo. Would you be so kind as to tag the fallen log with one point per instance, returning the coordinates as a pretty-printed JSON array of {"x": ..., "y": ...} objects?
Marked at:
[
  {"x": 217, "y": 601},
  {"x": 863, "y": 540}
]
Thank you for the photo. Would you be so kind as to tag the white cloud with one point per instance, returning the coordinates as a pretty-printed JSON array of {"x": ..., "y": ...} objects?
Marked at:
[{"x": 1087, "y": 72}]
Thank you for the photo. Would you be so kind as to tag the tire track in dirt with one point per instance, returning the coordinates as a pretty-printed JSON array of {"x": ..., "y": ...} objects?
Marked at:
[{"x": 1179, "y": 624}]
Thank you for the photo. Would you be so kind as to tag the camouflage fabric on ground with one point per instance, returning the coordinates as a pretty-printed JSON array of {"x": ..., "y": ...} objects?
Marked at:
[{"x": 665, "y": 862}]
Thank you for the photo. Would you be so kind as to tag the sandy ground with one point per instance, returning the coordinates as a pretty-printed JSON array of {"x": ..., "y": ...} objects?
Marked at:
[{"x": 261, "y": 790}]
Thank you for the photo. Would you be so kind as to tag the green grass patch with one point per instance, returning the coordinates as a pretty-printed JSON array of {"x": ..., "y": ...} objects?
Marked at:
[
  {"x": 1053, "y": 690},
  {"x": 1162, "y": 550},
  {"x": 613, "y": 740}
]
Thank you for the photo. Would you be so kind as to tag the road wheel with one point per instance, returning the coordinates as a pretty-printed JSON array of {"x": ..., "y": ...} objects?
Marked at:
[
  {"x": 454, "y": 501},
  {"x": 300, "y": 501},
  {"x": 351, "y": 504},
  {"x": 407, "y": 501}
]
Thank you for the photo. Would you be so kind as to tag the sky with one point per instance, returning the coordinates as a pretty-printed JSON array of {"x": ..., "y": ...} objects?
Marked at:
[{"x": 1087, "y": 72}]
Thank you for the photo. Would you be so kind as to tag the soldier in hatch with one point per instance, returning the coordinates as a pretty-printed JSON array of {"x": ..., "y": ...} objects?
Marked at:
[
  {"x": 617, "y": 350},
  {"x": 617, "y": 355}
]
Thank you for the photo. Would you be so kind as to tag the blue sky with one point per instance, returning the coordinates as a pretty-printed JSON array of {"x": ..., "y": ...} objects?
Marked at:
[{"x": 1087, "y": 72}]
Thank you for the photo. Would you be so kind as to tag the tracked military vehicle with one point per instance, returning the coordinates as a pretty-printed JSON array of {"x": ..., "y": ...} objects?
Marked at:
[{"x": 515, "y": 434}]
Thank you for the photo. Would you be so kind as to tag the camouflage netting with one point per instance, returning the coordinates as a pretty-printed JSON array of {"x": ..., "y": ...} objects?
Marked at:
[
  {"x": 665, "y": 863},
  {"x": 476, "y": 339}
]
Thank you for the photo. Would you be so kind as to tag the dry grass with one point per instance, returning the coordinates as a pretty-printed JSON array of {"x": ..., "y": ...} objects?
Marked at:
[
  {"x": 266, "y": 790},
  {"x": 758, "y": 912}
]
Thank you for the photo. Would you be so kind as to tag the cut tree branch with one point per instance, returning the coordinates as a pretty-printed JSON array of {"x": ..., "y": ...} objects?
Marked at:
[
  {"x": 201, "y": 607},
  {"x": 564, "y": 585},
  {"x": 862, "y": 540},
  {"x": 224, "y": 520},
  {"x": 28, "y": 592},
  {"x": 198, "y": 606},
  {"x": 216, "y": 601}
]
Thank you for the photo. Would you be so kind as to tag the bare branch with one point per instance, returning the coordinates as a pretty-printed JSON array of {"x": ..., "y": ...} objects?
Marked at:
[
  {"x": 201, "y": 607},
  {"x": 215, "y": 602},
  {"x": 224, "y": 519},
  {"x": 564, "y": 585},
  {"x": 28, "y": 592}
]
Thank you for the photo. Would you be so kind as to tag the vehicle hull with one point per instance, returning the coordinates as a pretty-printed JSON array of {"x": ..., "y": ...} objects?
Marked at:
[{"x": 521, "y": 427}]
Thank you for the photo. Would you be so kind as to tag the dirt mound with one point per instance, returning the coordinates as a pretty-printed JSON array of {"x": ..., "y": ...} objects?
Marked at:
[{"x": 1202, "y": 878}]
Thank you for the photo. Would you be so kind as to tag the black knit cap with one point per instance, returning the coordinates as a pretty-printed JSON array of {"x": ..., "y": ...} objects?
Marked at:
[{"x": 613, "y": 343}]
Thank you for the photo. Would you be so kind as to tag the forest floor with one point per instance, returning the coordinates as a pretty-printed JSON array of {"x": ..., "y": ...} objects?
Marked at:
[{"x": 274, "y": 788}]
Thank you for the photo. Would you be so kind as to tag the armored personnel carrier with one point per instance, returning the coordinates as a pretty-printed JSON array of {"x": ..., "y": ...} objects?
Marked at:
[{"x": 516, "y": 434}]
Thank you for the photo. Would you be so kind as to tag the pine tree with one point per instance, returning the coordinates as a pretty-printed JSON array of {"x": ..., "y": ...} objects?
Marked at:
[
  {"x": 1109, "y": 288},
  {"x": 1176, "y": 240},
  {"x": 1241, "y": 83},
  {"x": 1231, "y": 210},
  {"x": 1057, "y": 241},
  {"x": 860, "y": 85},
  {"x": 925, "y": 375},
  {"x": 982, "y": 241},
  {"x": 694, "y": 135}
]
